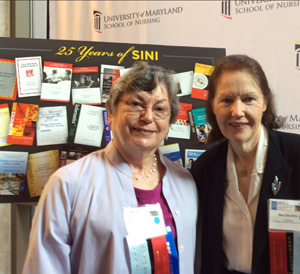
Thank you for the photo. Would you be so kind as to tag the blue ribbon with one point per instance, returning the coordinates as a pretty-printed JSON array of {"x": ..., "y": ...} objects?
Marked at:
[{"x": 173, "y": 255}]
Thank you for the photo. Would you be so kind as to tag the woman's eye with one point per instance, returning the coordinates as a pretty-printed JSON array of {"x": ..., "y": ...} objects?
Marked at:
[
  {"x": 248, "y": 100},
  {"x": 159, "y": 109},
  {"x": 226, "y": 100},
  {"x": 136, "y": 104}
]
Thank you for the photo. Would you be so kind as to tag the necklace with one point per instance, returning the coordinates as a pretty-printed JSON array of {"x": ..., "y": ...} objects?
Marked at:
[
  {"x": 244, "y": 172},
  {"x": 147, "y": 174}
]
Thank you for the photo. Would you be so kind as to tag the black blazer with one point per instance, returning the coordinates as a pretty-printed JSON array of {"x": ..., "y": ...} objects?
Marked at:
[{"x": 209, "y": 171}]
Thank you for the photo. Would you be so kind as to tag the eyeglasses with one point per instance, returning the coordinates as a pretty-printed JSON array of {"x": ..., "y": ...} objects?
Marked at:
[{"x": 159, "y": 112}]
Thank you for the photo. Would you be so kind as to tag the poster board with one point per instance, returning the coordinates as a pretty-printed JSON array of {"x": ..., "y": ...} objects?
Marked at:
[{"x": 89, "y": 54}]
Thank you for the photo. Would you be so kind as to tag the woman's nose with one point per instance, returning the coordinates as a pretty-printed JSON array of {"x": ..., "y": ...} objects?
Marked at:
[
  {"x": 147, "y": 115},
  {"x": 237, "y": 108}
]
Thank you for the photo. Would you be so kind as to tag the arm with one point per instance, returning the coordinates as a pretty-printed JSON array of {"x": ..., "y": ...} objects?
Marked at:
[{"x": 50, "y": 241}]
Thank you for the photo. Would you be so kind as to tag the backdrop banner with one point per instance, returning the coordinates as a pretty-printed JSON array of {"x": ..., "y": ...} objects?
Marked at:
[{"x": 266, "y": 30}]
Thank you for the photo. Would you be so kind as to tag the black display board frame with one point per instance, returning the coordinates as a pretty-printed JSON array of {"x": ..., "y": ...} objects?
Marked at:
[{"x": 86, "y": 53}]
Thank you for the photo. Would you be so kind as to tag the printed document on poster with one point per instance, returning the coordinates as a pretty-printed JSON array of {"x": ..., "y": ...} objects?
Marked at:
[
  {"x": 29, "y": 76},
  {"x": 22, "y": 124},
  {"x": 181, "y": 129},
  {"x": 4, "y": 124},
  {"x": 52, "y": 126},
  {"x": 89, "y": 129},
  {"x": 172, "y": 151},
  {"x": 8, "y": 80},
  {"x": 41, "y": 166}
]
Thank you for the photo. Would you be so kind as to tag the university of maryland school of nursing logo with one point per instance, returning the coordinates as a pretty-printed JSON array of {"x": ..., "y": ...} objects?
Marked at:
[
  {"x": 297, "y": 51},
  {"x": 97, "y": 20},
  {"x": 226, "y": 9}
]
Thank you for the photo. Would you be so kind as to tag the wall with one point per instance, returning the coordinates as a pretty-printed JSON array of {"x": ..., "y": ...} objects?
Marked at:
[
  {"x": 5, "y": 227},
  {"x": 266, "y": 30}
]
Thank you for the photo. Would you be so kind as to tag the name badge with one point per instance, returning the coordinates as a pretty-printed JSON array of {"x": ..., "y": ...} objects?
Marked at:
[{"x": 145, "y": 221}]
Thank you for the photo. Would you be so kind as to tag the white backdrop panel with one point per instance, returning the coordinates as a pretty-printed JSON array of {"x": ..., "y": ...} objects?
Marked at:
[{"x": 265, "y": 30}]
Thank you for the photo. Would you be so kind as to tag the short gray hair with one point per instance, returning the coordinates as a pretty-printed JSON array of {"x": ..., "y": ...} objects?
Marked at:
[{"x": 144, "y": 77}]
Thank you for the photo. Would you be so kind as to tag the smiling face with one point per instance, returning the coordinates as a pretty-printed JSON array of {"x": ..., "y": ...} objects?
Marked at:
[
  {"x": 238, "y": 106},
  {"x": 133, "y": 130}
]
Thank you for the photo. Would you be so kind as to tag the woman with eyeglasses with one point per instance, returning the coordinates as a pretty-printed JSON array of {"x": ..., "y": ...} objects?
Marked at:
[{"x": 79, "y": 225}]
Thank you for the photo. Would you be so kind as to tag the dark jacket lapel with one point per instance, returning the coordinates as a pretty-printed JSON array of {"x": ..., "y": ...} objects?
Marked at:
[
  {"x": 276, "y": 166},
  {"x": 216, "y": 204}
]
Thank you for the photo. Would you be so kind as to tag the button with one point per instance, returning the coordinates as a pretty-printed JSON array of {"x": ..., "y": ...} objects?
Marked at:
[
  {"x": 181, "y": 247},
  {"x": 177, "y": 212}
]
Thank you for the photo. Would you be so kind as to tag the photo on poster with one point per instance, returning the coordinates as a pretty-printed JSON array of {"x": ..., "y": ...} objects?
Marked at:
[
  {"x": 172, "y": 152},
  {"x": 181, "y": 129},
  {"x": 191, "y": 155},
  {"x": 86, "y": 86},
  {"x": 108, "y": 75},
  {"x": 56, "y": 82},
  {"x": 201, "y": 124},
  {"x": 13, "y": 165},
  {"x": 71, "y": 153},
  {"x": 184, "y": 81}
]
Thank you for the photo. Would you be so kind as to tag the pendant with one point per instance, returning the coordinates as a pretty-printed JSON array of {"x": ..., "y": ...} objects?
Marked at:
[
  {"x": 244, "y": 173},
  {"x": 276, "y": 184}
]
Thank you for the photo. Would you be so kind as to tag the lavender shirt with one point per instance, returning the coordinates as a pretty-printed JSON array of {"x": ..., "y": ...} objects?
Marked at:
[{"x": 78, "y": 226}]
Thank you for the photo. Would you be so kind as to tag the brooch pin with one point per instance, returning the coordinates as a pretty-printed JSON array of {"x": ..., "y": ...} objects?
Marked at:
[{"x": 276, "y": 185}]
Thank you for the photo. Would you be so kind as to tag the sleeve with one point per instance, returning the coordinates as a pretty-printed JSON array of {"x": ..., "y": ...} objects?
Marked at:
[
  {"x": 198, "y": 174},
  {"x": 50, "y": 241}
]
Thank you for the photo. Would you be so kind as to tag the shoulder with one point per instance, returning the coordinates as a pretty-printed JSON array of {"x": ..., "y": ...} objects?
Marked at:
[
  {"x": 179, "y": 177},
  {"x": 174, "y": 167},
  {"x": 73, "y": 172},
  {"x": 283, "y": 145},
  {"x": 284, "y": 136},
  {"x": 210, "y": 163},
  {"x": 179, "y": 183},
  {"x": 69, "y": 179},
  {"x": 287, "y": 142},
  {"x": 210, "y": 155}
]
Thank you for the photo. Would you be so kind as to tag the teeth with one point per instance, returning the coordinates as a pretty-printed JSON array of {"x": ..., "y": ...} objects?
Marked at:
[
  {"x": 142, "y": 130},
  {"x": 237, "y": 125}
]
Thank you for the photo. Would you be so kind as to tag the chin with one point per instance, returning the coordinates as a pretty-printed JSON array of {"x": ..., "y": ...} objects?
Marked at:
[
  {"x": 143, "y": 144},
  {"x": 238, "y": 138}
]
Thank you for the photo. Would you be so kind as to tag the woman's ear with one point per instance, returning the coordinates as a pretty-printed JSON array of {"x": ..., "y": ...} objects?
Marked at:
[
  {"x": 109, "y": 118},
  {"x": 264, "y": 106}
]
